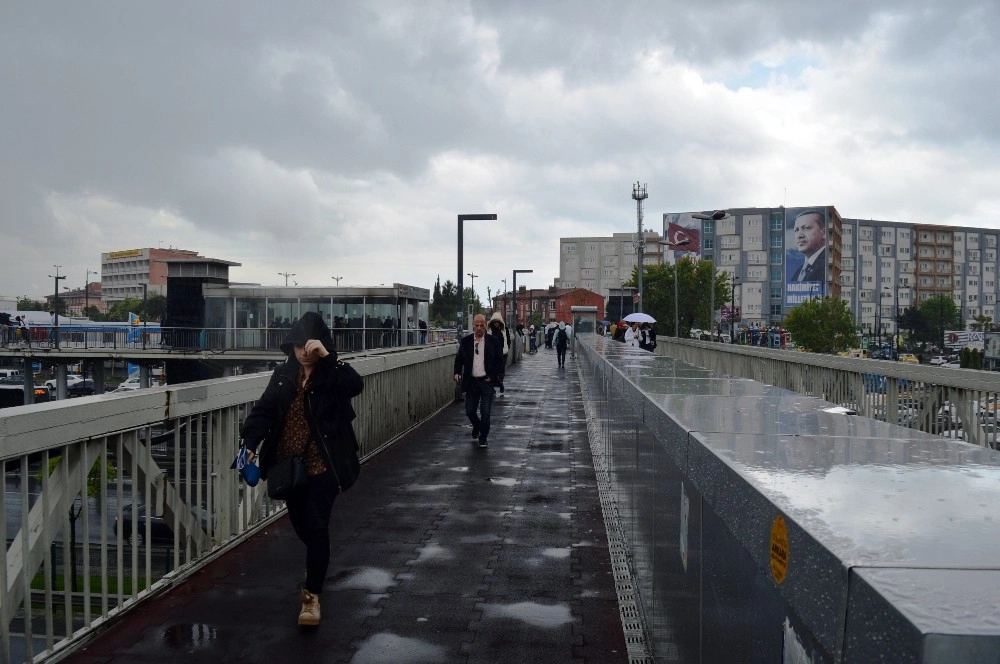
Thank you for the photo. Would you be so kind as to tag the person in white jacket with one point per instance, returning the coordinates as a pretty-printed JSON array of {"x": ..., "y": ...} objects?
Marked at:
[{"x": 632, "y": 335}]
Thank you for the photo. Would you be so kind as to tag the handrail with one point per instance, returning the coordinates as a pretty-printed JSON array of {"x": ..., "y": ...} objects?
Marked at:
[
  {"x": 146, "y": 478},
  {"x": 956, "y": 403}
]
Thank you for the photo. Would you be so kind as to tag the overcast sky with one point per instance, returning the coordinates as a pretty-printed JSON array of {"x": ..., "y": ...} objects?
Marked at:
[{"x": 343, "y": 138}]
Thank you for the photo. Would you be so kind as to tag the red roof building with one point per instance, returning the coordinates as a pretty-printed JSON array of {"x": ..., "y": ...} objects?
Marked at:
[{"x": 550, "y": 304}]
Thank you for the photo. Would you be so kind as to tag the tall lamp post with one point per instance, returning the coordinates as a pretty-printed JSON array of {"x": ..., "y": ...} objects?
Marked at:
[
  {"x": 513, "y": 321},
  {"x": 718, "y": 215},
  {"x": 55, "y": 305},
  {"x": 504, "y": 306},
  {"x": 732, "y": 310},
  {"x": 462, "y": 218},
  {"x": 674, "y": 245},
  {"x": 286, "y": 275},
  {"x": 894, "y": 346}
]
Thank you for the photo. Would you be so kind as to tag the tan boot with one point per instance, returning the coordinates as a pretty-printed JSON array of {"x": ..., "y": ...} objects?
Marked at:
[{"x": 310, "y": 609}]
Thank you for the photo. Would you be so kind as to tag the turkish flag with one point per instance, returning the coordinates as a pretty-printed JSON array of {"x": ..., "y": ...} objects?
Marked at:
[{"x": 688, "y": 238}]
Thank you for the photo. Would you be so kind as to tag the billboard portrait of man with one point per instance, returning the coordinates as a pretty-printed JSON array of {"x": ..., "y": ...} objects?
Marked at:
[{"x": 805, "y": 258}]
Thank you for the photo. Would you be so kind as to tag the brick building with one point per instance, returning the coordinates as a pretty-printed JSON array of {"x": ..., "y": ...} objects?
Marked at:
[{"x": 551, "y": 304}]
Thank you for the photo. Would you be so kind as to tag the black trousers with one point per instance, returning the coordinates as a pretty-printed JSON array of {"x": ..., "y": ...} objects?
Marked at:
[{"x": 309, "y": 512}]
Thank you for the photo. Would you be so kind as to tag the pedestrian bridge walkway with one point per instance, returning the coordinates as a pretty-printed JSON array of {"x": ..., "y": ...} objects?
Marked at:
[
  {"x": 630, "y": 507},
  {"x": 443, "y": 552}
]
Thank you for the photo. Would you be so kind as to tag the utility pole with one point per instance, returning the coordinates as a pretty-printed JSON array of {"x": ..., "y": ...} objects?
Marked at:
[
  {"x": 639, "y": 194},
  {"x": 286, "y": 275}
]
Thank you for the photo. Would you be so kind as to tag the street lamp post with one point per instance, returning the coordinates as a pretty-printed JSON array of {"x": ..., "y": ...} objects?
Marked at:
[
  {"x": 513, "y": 323},
  {"x": 286, "y": 275},
  {"x": 55, "y": 305},
  {"x": 732, "y": 310},
  {"x": 462, "y": 218},
  {"x": 86, "y": 291},
  {"x": 473, "y": 287},
  {"x": 718, "y": 215},
  {"x": 337, "y": 279},
  {"x": 677, "y": 277},
  {"x": 504, "y": 305}
]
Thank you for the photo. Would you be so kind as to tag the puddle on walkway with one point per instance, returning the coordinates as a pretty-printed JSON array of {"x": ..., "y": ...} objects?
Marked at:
[
  {"x": 556, "y": 552},
  {"x": 479, "y": 539},
  {"x": 504, "y": 481},
  {"x": 433, "y": 552},
  {"x": 387, "y": 647},
  {"x": 372, "y": 579},
  {"x": 460, "y": 469},
  {"x": 191, "y": 636},
  {"x": 431, "y": 487},
  {"x": 531, "y": 613}
]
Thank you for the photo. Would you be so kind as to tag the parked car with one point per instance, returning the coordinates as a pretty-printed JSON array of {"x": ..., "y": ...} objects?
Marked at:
[
  {"x": 71, "y": 379},
  {"x": 159, "y": 531},
  {"x": 908, "y": 357},
  {"x": 938, "y": 360},
  {"x": 82, "y": 388}
]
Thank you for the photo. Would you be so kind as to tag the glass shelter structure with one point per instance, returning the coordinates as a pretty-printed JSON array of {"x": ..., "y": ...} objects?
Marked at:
[{"x": 361, "y": 318}]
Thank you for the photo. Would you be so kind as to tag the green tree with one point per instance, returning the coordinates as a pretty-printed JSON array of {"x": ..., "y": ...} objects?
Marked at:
[
  {"x": 822, "y": 325},
  {"x": 938, "y": 313},
  {"x": 156, "y": 307},
  {"x": 445, "y": 304},
  {"x": 120, "y": 310},
  {"x": 25, "y": 303},
  {"x": 694, "y": 290}
]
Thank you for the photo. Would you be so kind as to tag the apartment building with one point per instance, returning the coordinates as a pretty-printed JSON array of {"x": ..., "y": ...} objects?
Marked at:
[
  {"x": 877, "y": 267},
  {"x": 602, "y": 264}
]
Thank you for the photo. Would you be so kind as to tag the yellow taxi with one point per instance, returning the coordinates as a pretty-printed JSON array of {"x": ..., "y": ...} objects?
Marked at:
[{"x": 908, "y": 357}]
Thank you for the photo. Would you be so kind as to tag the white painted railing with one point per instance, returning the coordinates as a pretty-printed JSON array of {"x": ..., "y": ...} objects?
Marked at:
[{"x": 77, "y": 554}]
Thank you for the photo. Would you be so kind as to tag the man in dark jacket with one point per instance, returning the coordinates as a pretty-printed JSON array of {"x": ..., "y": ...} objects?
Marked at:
[{"x": 479, "y": 367}]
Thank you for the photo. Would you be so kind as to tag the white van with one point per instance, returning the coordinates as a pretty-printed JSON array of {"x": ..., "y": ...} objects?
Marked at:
[{"x": 9, "y": 373}]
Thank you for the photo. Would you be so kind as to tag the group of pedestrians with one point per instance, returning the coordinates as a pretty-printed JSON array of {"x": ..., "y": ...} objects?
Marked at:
[
  {"x": 16, "y": 330},
  {"x": 637, "y": 335}
]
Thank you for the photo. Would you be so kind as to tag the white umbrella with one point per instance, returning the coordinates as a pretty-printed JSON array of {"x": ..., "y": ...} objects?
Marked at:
[{"x": 639, "y": 317}]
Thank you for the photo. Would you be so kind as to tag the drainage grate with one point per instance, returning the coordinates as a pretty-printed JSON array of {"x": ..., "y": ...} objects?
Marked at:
[{"x": 633, "y": 623}]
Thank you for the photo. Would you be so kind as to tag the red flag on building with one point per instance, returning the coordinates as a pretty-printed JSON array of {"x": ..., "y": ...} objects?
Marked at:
[{"x": 688, "y": 238}]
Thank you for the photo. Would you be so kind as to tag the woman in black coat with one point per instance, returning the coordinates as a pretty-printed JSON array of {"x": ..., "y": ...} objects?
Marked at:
[{"x": 306, "y": 411}]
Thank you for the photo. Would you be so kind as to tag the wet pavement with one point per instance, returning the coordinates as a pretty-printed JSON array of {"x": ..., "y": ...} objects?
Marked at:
[{"x": 443, "y": 552}]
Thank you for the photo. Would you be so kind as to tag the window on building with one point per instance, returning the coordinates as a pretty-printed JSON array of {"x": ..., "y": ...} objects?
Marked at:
[
  {"x": 708, "y": 243},
  {"x": 707, "y": 228},
  {"x": 775, "y": 309},
  {"x": 777, "y": 258},
  {"x": 775, "y": 292},
  {"x": 777, "y": 224},
  {"x": 776, "y": 274},
  {"x": 776, "y": 241}
]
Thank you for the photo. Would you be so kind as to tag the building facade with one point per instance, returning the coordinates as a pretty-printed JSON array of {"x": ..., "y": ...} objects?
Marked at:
[
  {"x": 552, "y": 304},
  {"x": 601, "y": 264},
  {"x": 879, "y": 268},
  {"x": 125, "y": 272}
]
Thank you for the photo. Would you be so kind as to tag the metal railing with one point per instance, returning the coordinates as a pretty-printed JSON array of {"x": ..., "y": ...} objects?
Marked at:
[
  {"x": 110, "y": 499},
  {"x": 153, "y": 337},
  {"x": 962, "y": 404}
]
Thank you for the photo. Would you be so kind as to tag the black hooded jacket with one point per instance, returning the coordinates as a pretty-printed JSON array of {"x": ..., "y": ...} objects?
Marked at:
[{"x": 328, "y": 405}]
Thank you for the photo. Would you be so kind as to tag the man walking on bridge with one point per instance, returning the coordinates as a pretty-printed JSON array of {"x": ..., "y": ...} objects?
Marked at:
[{"x": 479, "y": 367}]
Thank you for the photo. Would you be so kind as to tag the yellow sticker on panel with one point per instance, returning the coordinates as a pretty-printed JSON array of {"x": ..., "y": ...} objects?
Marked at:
[{"x": 779, "y": 549}]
